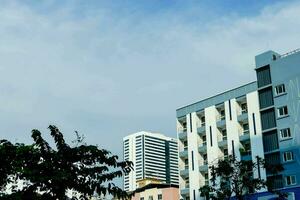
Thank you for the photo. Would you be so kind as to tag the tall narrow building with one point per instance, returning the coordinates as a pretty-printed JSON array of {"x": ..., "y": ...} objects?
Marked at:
[
  {"x": 154, "y": 156},
  {"x": 261, "y": 119}
]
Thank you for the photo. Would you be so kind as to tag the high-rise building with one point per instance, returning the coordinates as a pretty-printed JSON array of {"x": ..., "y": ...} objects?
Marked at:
[
  {"x": 154, "y": 156},
  {"x": 261, "y": 119}
]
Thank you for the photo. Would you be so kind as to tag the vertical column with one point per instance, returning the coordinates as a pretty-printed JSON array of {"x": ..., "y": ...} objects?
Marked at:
[
  {"x": 255, "y": 131},
  {"x": 232, "y": 128},
  {"x": 192, "y": 137},
  {"x": 212, "y": 136}
]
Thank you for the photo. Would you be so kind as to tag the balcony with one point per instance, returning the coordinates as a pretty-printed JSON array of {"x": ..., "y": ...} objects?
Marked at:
[
  {"x": 222, "y": 143},
  {"x": 183, "y": 154},
  {"x": 184, "y": 173},
  {"x": 245, "y": 154},
  {"x": 201, "y": 130},
  {"x": 243, "y": 118},
  {"x": 202, "y": 149},
  {"x": 245, "y": 136},
  {"x": 246, "y": 157},
  {"x": 182, "y": 135},
  {"x": 185, "y": 191},
  {"x": 221, "y": 123},
  {"x": 203, "y": 168}
]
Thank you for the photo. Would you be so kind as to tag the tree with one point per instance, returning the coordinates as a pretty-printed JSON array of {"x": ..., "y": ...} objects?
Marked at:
[
  {"x": 38, "y": 171},
  {"x": 232, "y": 177}
]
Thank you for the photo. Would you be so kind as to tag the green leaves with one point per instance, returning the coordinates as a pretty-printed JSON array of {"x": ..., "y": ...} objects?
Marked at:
[
  {"x": 234, "y": 177},
  {"x": 49, "y": 173}
]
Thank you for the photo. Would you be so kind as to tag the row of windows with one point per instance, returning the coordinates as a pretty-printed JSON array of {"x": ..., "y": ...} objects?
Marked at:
[{"x": 159, "y": 197}]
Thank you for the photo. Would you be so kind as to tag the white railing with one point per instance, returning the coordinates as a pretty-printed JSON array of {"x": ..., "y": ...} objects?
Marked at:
[{"x": 289, "y": 53}]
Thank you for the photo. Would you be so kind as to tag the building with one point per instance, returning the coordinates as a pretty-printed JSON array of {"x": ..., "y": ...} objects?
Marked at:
[
  {"x": 153, "y": 189},
  {"x": 257, "y": 119},
  {"x": 154, "y": 156}
]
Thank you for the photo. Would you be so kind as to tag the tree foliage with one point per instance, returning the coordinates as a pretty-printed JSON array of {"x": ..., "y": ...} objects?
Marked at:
[
  {"x": 232, "y": 177},
  {"x": 38, "y": 171}
]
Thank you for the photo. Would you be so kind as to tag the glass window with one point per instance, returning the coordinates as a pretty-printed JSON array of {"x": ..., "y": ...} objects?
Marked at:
[
  {"x": 279, "y": 89},
  {"x": 205, "y": 159},
  {"x": 288, "y": 156},
  {"x": 285, "y": 133},
  {"x": 282, "y": 111},
  {"x": 203, "y": 140},
  {"x": 159, "y": 197},
  {"x": 222, "y": 114},
  {"x": 150, "y": 197},
  {"x": 142, "y": 198},
  {"x": 203, "y": 121},
  {"x": 244, "y": 108},
  {"x": 290, "y": 180},
  {"x": 186, "y": 163},
  {"x": 246, "y": 128}
]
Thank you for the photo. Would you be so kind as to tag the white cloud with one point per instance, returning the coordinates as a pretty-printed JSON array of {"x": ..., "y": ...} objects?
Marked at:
[{"x": 108, "y": 74}]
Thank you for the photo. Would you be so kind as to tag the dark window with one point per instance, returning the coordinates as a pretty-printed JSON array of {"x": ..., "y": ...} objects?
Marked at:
[
  {"x": 282, "y": 111},
  {"x": 265, "y": 98},
  {"x": 270, "y": 141},
  {"x": 263, "y": 76},
  {"x": 159, "y": 197},
  {"x": 268, "y": 119},
  {"x": 279, "y": 89},
  {"x": 276, "y": 181}
]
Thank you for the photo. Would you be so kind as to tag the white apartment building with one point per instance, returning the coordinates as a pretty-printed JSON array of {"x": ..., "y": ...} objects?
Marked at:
[
  {"x": 154, "y": 156},
  {"x": 226, "y": 124}
]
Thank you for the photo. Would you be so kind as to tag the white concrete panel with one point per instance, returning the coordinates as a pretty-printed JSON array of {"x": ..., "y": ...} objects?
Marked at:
[
  {"x": 192, "y": 136},
  {"x": 255, "y": 135},
  {"x": 232, "y": 128}
]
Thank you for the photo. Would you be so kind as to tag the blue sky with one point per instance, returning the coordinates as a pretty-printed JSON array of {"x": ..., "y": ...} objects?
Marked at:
[{"x": 111, "y": 68}]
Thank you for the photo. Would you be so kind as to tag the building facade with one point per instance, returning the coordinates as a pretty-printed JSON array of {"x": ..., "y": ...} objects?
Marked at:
[
  {"x": 154, "y": 156},
  {"x": 152, "y": 189},
  {"x": 257, "y": 119}
]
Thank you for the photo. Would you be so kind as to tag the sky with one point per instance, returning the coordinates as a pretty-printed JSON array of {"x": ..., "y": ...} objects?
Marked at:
[{"x": 111, "y": 68}]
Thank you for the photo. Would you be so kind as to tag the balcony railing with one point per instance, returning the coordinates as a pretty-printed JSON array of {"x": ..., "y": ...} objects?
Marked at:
[
  {"x": 182, "y": 135},
  {"x": 185, "y": 191}
]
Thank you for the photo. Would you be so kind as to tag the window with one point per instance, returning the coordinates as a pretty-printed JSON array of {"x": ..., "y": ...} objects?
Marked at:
[
  {"x": 206, "y": 179},
  {"x": 186, "y": 163},
  {"x": 205, "y": 159},
  {"x": 204, "y": 140},
  {"x": 279, "y": 89},
  {"x": 282, "y": 111},
  {"x": 159, "y": 197},
  {"x": 246, "y": 128},
  {"x": 285, "y": 133},
  {"x": 225, "y": 153},
  {"x": 150, "y": 197},
  {"x": 224, "y": 134},
  {"x": 222, "y": 114},
  {"x": 290, "y": 180},
  {"x": 142, "y": 198},
  {"x": 187, "y": 182},
  {"x": 203, "y": 121},
  {"x": 288, "y": 156},
  {"x": 244, "y": 108},
  {"x": 184, "y": 126},
  {"x": 185, "y": 144}
]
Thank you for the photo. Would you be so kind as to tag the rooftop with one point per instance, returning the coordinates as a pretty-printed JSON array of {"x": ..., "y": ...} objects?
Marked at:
[{"x": 217, "y": 99}]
